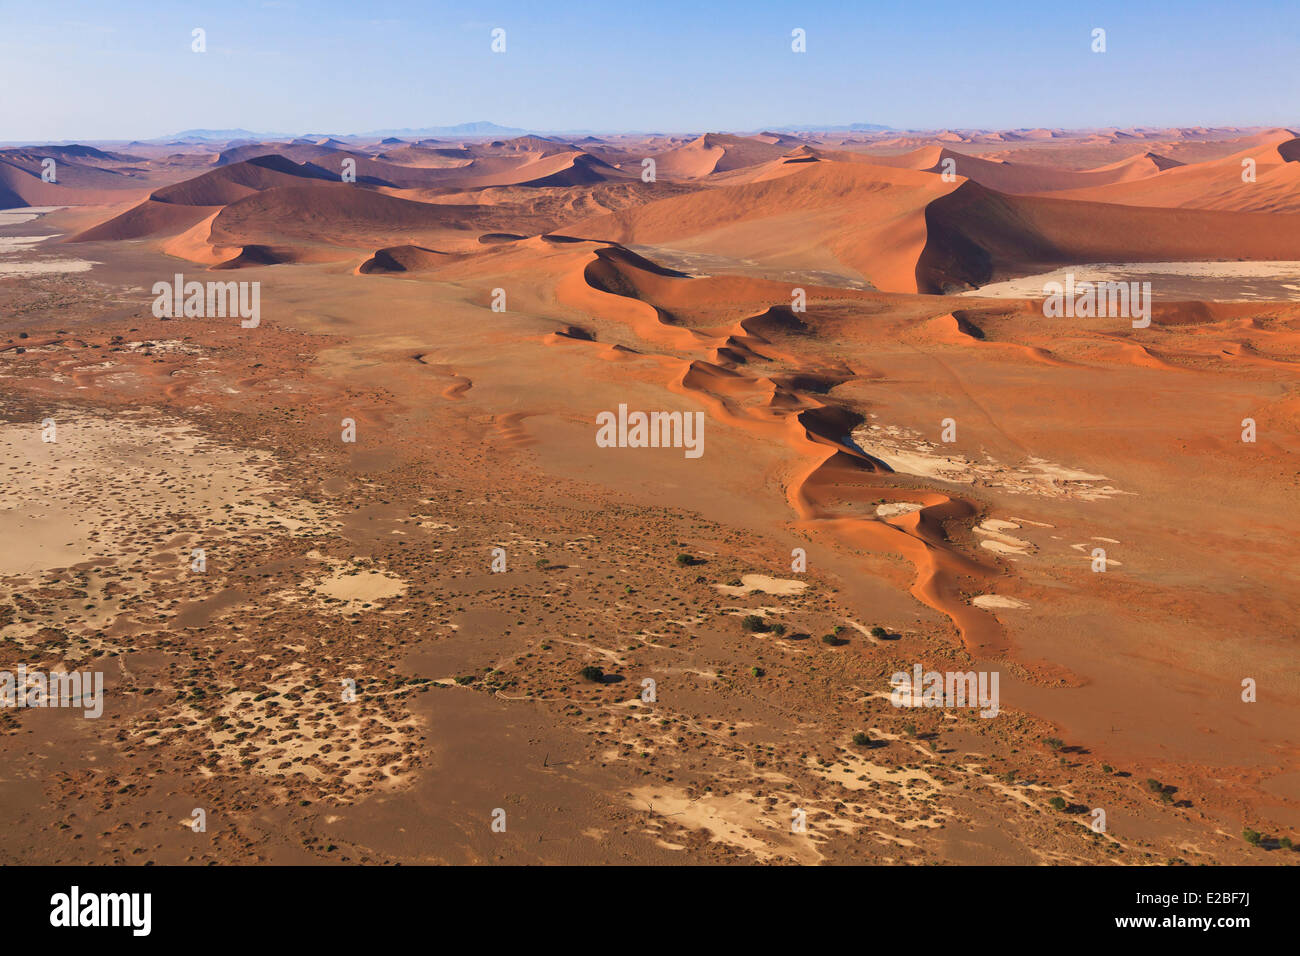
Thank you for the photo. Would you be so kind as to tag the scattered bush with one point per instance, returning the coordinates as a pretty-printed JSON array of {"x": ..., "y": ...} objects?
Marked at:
[{"x": 757, "y": 671}]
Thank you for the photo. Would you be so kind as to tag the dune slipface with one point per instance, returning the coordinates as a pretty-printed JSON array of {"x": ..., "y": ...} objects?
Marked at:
[{"x": 347, "y": 534}]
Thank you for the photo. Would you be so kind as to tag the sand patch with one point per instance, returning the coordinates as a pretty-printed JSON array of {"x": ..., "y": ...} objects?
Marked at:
[
  {"x": 892, "y": 509},
  {"x": 1208, "y": 281},
  {"x": 906, "y": 452},
  {"x": 738, "y": 820},
  {"x": 993, "y": 602},
  {"x": 996, "y": 539},
  {"x": 98, "y": 489},
  {"x": 352, "y": 589},
  {"x": 749, "y": 583}
]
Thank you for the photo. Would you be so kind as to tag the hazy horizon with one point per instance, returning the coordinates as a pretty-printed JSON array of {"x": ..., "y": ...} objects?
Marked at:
[{"x": 281, "y": 65}]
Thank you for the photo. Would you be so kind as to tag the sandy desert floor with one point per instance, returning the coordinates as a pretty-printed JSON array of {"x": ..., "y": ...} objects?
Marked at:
[{"x": 948, "y": 461}]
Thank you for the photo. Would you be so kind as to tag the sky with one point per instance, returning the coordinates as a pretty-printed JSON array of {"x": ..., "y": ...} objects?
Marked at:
[{"x": 124, "y": 69}]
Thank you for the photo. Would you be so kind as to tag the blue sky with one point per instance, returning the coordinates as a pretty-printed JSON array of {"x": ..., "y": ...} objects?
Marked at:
[{"x": 124, "y": 69}]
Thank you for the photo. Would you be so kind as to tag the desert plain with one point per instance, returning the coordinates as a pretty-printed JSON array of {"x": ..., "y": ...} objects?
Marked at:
[{"x": 364, "y": 587}]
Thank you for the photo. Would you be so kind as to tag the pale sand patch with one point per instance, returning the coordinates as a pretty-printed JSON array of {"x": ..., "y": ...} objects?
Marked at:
[
  {"x": 750, "y": 583},
  {"x": 997, "y": 524},
  {"x": 11, "y": 244},
  {"x": 997, "y": 601},
  {"x": 735, "y": 819},
  {"x": 22, "y": 214},
  {"x": 892, "y": 509},
  {"x": 1087, "y": 550},
  {"x": 907, "y": 452},
  {"x": 1031, "y": 287},
  {"x": 998, "y": 541},
  {"x": 50, "y": 267},
  {"x": 99, "y": 489},
  {"x": 360, "y": 587},
  {"x": 851, "y": 767}
]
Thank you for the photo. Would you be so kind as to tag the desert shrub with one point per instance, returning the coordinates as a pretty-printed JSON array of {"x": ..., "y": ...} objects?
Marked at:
[
  {"x": 879, "y": 632},
  {"x": 861, "y": 739},
  {"x": 592, "y": 673},
  {"x": 1251, "y": 836},
  {"x": 753, "y": 623},
  {"x": 1057, "y": 803}
]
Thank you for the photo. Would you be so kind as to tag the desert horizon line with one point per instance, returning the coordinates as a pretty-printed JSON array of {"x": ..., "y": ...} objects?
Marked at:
[{"x": 488, "y": 129}]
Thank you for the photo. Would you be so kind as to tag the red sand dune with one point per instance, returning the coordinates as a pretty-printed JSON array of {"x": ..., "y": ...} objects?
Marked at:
[
  {"x": 1010, "y": 177},
  {"x": 716, "y": 153},
  {"x": 1217, "y": 184},
  {"x": 975, "y": 235},
  {"x": 864, "y": 218}
]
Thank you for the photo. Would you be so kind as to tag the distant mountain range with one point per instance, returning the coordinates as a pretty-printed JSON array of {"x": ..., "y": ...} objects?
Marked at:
[
  {"x": 851, "y": 128},
  {"x": 480, "y": 128}
]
